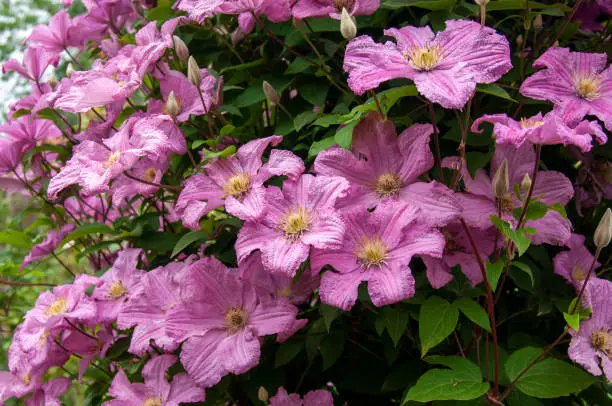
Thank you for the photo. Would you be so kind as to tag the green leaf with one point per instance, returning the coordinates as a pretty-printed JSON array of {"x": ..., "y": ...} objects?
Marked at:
[
  {"x": 494, "y": 90},
  {"x": 299, "y": 65},
  {"x": 474, "y": 312},
  {"x": 87, "y": 229},
  {"x": 525, "y": 268},
  {"x": 462, "y": 382},
  {"x": 518, "y": 237},
  {"x": 332, "y": 348},
  {"x": 286, "y": 352},
  {"x": 187, "y": 240},
  {"x": 494, "y": 271},
  {"x": 426, "y": 4},
  {"x": 344, "y": 136},
  {"x": 314, "y": 93},
  {"x": 329, "y": 119},
  {"x": 558, "y": 207},
  {"x": 497, "y": 5},
  {"x": 319, "y": 146},
  {"x": 303, "y": 119},
  {"x": 535, "y": 211},
  {"x": 437, "y": 320},
  {"x": 17, "y": 239},
  {"x": 396, "y": 322},
  {"x": 548, "y": 378},
  {"x": 329, "y": 314},
  {"x": 573, "y": 320},
  {"x": 230, "y": 150}
]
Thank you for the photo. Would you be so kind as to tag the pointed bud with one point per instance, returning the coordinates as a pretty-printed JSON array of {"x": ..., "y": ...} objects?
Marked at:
[
  {"x": 262, "y": 394},
  {"x": 519, "y": 40},
  {"x": 270, "y": 93},
  {"x": 181, "y": 49},
  {"x": 501, "y": 181},
  {"x": 526, "y": 183},
  {"x": 537, "y": 23},
  {"x": 137, "y": 7},
  {"x": 69, "y": 70},
  {"x": 193, "y": 72},
  {"x": 53, "y": 80},
  {"x": 348, "y": 28},
  {"x": 603, "y": 232},
  {"x": 481, "y": 2},
  {"x": 172, "y": 107}
]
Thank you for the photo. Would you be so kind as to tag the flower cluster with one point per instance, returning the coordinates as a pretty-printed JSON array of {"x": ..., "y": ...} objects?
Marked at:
[{"x": 113, "y": 152}]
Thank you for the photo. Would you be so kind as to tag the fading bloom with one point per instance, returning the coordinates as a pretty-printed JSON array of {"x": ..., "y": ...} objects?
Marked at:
[
  {"x": 445, "y": 67},
  {"x": 300, "y": 216},
  {"x": 333, "y": 8},
  {"x": 383, "y": 167},
  {"x": 156, "y": 390},
  {"x": 47, "y": 246},
  {"x": 578, "y": 84},
  {"x": 36, "y": 60},
  {"x": 221, "y": 317},
  {"x": 549, "y": 129},
  {"x": 591, "y": 345},
  {"x": 377, "y": 248},
  {"x": 236, "y": 182},
  {"x": 551, "y": 187},
  {"x": 574, "y": 265},
  {"x": 313, "y": 398}
]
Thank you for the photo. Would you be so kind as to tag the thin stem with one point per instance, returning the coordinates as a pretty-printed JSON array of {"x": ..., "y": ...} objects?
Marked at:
[
  {"x": 569, "y": 18},
  {"x": 80, "y": 330},
  {"x": 73, "y": 59},
  {"x": 208, "y": 119},
  {"x": 491, "y": 305},
  {"x": 483, "y": 15},
  {"x": 378, "y": 106},
  {"x": 522, "y": 218},
  {"x": 63, "y": 264},
  {"x": 314, "y": 49},
  {"x": 432, "y": 116},
  {"x": 159, "y": 185},
  {"x": 582, "y": 289},
  {"x": 13, "y": 283}
]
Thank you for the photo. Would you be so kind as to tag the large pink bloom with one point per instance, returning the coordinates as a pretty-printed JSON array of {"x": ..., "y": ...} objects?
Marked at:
[
  {"x": 551, "y": 187},
  {"x": 578, "y": 83},
  {"x": 313, "y": 398},
  {"x": 377, "y": 248},
  {"x": 445, "y": 67},
  {"x": 574, "y": 265},
  {"x": 546, "y": 130},
  {"x": 156, "y": 390},
  {"x": 384, "y": 167},
  {"x": 57, "y": 35},
  {"x": 301, "y": 216},
  {"x": 222, "y": 318},
  {"x": 333, "y": 8},
  {"x": 236, "y": 182}
]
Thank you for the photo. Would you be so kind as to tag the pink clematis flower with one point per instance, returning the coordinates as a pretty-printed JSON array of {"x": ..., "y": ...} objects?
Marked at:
[
  {"x": 383, "y": 167},
  {"x": 36, "y": 60},
  {"x": 237, "y": 182},
  {"x": 57, "y": 36},
  {"x": 199, "y": 10},
  {"x": 480, "y": 203},
  {"x": 146, "y": 311},
  {"x": 156, "y": 390},
  {"x": 545, "y": 130},
  {"x": 47, "y": 246},
  {"x": 313, "y": 398},
  {"x": 377, "y": 248},
  {"x": 89, "y": 347},
  {"x": 152, "y": 43},
  {"x": 445, "y": 67},
  {"x": 49, "y": 393},
  {"x": 117, "y": 284},
  {"x": 221, "y": 317},
  {"x": 333, "y": 8},
  {"x": 578, "y": 83},
  {"x": 574, "y": 265},
  {"x": 104, "y": 17},
  {"x": 147, "y": 169},
  {"x": 301, "y": 216},
  {"x": 591, "y": 345},
  {"x": 459, "y": 251}
]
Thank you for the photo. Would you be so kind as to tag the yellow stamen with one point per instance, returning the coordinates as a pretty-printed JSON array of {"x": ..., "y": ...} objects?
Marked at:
[
  {"x": 578, "y": 274},
  {"x": 26, "y": 378},
  {"x": 506, "y": 202},
  {"x": 236, "y": 319},
  {"x": 295, "y": 223},
  {"x": 285, "y": 291},
  {"x": 117, "y": 290},
  {"x": 57, "y": 307},
  {"x": 372, "y": 252},
  {"x": 424, "y": 58},
  {"x": 149, "y": 175},
  {"x": 154, "y": 401},
  {"x": 602, "y": 340},
  {"x": 530, "y": 123},
  {"x": 238, "y": 185},
  {"x": 388, "y": 184},
  {"x": 588, "y": 86},
  {"x": 112, "y": 160},
  {"x": 451, "y": 245}
]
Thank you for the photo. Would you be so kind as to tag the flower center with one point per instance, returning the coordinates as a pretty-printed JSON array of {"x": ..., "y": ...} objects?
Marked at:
[
  {"x": 117, "y": 290},
  {"x": 26, "y": 378},
  {"x": 347, "y": 4},
  {"x": 506, "y": 202},
  {"x": 372, "y": 252},
  {"x": 587, "y": 86},
  {"x": 423, "y": 58},
  {"x": 601, "y": 340},
  {"x": 237, "y": 186},
  {"x": 295, "y": 223},
  {"x": 388, "y": 184},
  {"x": 152, "y": 401},
  {"x": 149, "y": 175},
  {"x": 285, "y": 291},
  {"x": 112, "y": 160},
  {"x": 578, "y": 274},
  {"x": 57, "y": 307},
  {"x": 530, "y": 123},
  {"x": 450, "y": 245},
  {"x": 235, "y": 319}
]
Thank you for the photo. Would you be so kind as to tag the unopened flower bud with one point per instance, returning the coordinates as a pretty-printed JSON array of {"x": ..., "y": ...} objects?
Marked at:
[
  {"x": 262, "y": 394},
  {"x": 519, "y": 40},
  {"x": 527, "y": 21},
  {"x": 193, "y": 72},
  {"x": 537, "y": 23},
  {"x": 555, "y": 44},
  {"x": 348, "y": 28},
  {"x": 137, "y": 7},
  {"x": 603, "y": 232},
  {"x": 69, "y": 70},
  {"x": 270, "y": 93},
  {"x": 526, "y": 183},
  {"x": 481, "y": 2},
  {"x": 501, "y": 180},
  {"x": 53, "y": 80},
  {"x": 172, "y": 107},
  {"x": 180, "y": 48}
]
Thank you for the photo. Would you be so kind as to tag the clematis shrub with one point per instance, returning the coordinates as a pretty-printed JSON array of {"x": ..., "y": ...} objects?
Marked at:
[{"x": 236, "y": 202}]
